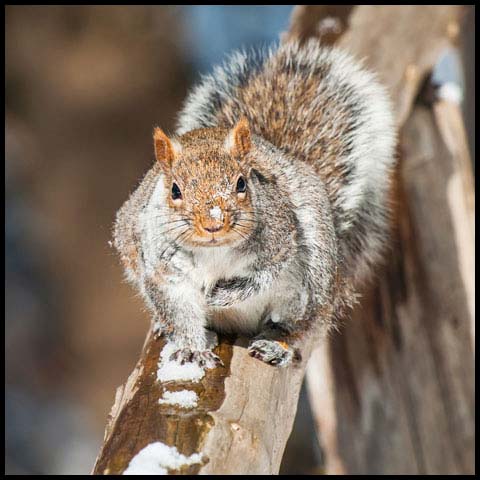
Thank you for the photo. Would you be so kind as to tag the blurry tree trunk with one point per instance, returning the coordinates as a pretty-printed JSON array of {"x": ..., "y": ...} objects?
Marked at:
[
  {"x": 393, "y": 393},
  {"x": 371, "y": 410},
  {"x": 399, "y": 379},
  {"x": 468, "y": 61}
]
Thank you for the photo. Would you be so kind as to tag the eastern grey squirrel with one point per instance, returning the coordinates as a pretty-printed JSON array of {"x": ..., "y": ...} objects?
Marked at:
[{"x": 270, "y": 199}]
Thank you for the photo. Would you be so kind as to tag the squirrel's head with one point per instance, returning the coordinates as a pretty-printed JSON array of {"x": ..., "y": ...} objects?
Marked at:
[{"x": 207, "y": 182}]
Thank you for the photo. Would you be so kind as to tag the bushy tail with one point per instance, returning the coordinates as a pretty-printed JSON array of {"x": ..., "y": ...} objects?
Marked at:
[{"x": 323, "y": 107}]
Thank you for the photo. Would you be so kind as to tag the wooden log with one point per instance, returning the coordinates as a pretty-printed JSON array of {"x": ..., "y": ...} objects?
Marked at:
[
  {"x": 245, "y": 411},
  {"x": 242, "y": 420},
  {"x": 467, "y": 43}
]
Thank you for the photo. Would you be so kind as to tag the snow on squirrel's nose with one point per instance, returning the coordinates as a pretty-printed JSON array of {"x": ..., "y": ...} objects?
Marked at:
[
  {"x": 216, "y": 213},
  {"x": 214, "y": 219}
]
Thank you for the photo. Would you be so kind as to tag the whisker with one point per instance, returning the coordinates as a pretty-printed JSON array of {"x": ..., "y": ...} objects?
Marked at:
[
  {"x": 245, "y": 228},
  {"x": 171, "y": 222},
  {"x": 188, "y": 237},
  {"x": 167, "y": 209},
  {"x": 176, "y": 227},
  {"x": 248, "y": 220},
  {"x": 240, "y": 233},
  {"x": 180, "y": 240},
  {"x": 173, "y": 242},
  {"x": 178, "y": 215},
  {"x": 182, "y": 220}
]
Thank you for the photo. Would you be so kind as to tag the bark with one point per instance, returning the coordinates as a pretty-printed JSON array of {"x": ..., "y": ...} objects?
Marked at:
[
  {"x": 246, "y": 409},
  {"x": 242, "y": 421}
]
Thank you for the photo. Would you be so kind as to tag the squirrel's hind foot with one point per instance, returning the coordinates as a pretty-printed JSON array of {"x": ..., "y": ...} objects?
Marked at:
[
  {"x": 272, "y": 352},
  {"x": 204, "y": 358}
]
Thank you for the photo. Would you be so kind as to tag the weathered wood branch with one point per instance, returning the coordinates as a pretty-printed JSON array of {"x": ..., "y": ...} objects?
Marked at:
[
  {"x": 245, "y": 410},
  {"x": 242, "y": 420}
]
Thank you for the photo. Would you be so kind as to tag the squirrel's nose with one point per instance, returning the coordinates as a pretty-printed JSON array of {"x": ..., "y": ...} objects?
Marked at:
[
  {"x": 213, "y": 228},
  {"x": 214, "y": 220},
  {"x": 211, "y": 225}
]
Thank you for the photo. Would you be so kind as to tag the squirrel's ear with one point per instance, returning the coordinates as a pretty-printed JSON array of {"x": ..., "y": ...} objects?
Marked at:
[
  {"x": 239, "y": 141},
  {"x": 164, "y": 149}
]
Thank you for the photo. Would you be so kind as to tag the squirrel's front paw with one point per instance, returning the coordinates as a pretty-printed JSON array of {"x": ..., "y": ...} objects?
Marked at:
[
  {"x": 272, "y": 352},
  {"x": 204, "y": 358}
]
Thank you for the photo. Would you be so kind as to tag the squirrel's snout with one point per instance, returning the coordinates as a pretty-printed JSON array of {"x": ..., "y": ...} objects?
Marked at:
[
  {"x": 213, "y": 228},
  {"x": 214, "y": 220},
  {"x": 213, "y": 225}
]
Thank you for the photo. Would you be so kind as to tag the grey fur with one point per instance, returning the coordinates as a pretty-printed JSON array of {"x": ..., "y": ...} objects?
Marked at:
[{"x": 319, "y": 227}]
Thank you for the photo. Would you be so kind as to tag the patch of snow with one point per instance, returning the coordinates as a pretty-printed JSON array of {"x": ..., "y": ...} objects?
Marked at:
[
  {"x": 275, "y": 317},
  {"x": 216, "y": 213},
  {"x": 451, "y": 92},
  {"x": 157, "y": 458},
  {"x": 222, "y": 193},
  {"x": 157, "y": 327},
  {"x": 329, "y": 24},
  {"x": 183, "y": 398},
  {"x": 170, "y": 370}
]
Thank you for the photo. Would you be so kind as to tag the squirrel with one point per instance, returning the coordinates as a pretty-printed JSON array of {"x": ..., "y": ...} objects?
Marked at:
[{"x": 271, "y": 200}]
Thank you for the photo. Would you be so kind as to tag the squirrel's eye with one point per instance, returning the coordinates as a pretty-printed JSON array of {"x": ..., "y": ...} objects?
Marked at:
[
  {"x": 241, "y": 185},
  {"x": 176, "y": 193}
]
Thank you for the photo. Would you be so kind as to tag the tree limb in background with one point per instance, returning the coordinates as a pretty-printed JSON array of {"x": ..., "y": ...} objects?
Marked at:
[
  {"x": 400, "y": 393},
  {"x": 394, "y": 392},
  {"x": 325, "y": 22}
]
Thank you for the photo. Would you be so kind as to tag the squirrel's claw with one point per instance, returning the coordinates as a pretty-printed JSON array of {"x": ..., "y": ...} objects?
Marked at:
[
  {"x": 272, "y": 352},
  {"x": 204, "y": 358}
]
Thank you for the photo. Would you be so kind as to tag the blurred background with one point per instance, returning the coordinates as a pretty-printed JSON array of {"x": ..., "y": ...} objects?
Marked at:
[{"x": 84, "y": 87}]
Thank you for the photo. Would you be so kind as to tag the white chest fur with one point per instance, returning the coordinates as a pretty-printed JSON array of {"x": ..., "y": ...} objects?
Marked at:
[
  {"x": 209, "y": 265},
  {"x": 213, "y": 264}
]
